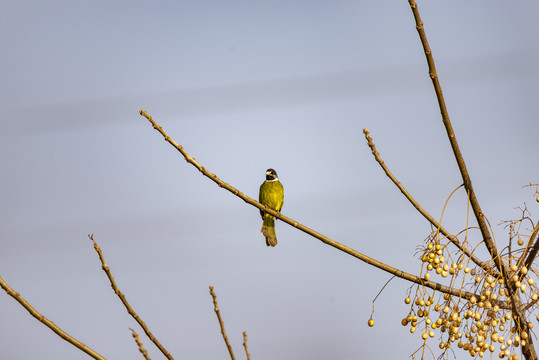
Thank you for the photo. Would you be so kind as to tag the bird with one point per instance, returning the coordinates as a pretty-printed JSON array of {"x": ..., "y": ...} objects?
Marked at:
[{"x": 272, "y": 195}]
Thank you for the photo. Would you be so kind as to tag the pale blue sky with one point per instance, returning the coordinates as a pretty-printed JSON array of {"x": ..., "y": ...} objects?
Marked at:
[{"x": 244, "y": 86}]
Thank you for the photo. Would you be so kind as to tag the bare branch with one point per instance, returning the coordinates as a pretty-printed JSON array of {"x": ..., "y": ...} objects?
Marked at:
[
  {"x": 324, "y": 239},
  {"x": 454, "y": 144},
  {"x": 222, "y": 325},
  {"x": 128, "y": 307},
  {"x": 61, "y": 333},
  {"x": 453, "y": 139},
  {"x": 418, "y": 207},
  {"x": 140, "y": 345},
  {"x": 245, "y": 346}
]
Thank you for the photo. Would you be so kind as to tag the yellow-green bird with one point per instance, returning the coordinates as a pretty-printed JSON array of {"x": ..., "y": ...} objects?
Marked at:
[{"x": 272, "y": 195}]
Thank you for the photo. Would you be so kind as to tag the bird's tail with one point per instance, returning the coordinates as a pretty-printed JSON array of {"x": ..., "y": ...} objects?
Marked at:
[{"x": 268, "y": 230}]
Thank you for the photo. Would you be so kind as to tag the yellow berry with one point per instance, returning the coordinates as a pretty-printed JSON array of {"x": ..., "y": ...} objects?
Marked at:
[
  {"x": 520, "y": 242},
  {"x": 513, "y": 267},
  {"x": 370, "y": 322},
  {"x": 407, "y": 300}
]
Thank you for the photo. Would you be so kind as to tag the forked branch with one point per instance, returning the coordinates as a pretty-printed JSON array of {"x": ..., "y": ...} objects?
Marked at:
[
  {"x": 394, "y": 271},
  {"x": 418, "y": 207},
  {"x": 517, "y": 307},
  {"x": 128, "y": 307}
]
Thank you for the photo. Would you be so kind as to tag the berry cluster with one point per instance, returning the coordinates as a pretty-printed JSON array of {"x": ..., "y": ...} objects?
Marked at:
[{"x": 479, "y": 321}]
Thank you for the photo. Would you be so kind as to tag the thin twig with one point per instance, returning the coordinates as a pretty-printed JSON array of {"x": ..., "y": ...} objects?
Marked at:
[
  {"x": 221, "y": 324},
  {"x": 517, "y": 307},
  {"x": 61, "y": 333},
  {"x": 534, "y": 250},
  {"x": 379, "y": 292},
  {"x": 140, "y": 345},
  {"x": 245, "y": 345},
  {"x": 305, "y": 229},
  {"x": 418, "y": 207},
  {"x": 128, "y": 307}
]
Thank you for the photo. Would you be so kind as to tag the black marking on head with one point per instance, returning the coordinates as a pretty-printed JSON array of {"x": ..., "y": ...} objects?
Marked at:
[{"x": 271, "y": 175}]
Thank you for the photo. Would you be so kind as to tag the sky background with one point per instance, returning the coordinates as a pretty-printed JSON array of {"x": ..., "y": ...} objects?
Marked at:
[{"x": 245, "y": 86}]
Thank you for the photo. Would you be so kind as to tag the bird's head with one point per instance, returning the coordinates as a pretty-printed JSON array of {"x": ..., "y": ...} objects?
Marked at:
[{"x": 271, "y": 175}]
